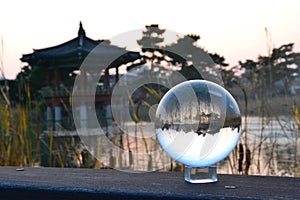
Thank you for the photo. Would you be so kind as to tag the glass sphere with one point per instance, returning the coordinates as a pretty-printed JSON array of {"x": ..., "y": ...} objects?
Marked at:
[{"x": 198, "y": 123}]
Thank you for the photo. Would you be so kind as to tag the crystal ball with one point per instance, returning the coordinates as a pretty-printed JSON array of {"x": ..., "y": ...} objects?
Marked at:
[{"x": 198, "y": 123}]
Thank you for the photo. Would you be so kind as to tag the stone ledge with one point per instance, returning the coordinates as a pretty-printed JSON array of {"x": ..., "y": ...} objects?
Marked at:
[{"x": 59, "y": 183}]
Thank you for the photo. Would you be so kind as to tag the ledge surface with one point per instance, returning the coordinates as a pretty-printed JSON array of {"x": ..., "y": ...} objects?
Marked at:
[{"x": 58, "y": 183}]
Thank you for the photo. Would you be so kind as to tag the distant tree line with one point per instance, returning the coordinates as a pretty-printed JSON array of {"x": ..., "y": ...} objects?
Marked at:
[{"x": 273, "y": 73}]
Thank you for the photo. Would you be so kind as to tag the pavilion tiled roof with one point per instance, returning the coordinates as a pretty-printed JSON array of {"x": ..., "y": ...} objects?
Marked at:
[
  {"x": 80, "y": 45},
  {"x": 77, "y": 48}
]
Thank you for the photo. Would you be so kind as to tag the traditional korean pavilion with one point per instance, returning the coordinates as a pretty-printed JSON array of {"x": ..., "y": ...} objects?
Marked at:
[{"x": 61, "y": 63}]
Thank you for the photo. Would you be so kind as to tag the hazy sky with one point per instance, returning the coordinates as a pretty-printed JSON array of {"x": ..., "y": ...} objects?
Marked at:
[{"x": 234, "y": 29}]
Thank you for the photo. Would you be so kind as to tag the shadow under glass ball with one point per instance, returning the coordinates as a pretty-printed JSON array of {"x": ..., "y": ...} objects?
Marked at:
[{"x": 198, "y": 123}]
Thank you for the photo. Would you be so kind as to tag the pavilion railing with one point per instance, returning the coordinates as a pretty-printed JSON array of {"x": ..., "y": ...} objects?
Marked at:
[{"x": 48, "y": 92}]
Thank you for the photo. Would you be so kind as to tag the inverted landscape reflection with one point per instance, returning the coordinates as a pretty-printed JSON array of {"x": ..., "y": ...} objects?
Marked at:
[{"x": 198, "y": 123}]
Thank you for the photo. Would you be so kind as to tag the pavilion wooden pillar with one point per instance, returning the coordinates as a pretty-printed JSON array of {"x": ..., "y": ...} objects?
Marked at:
[
  {"x": 117, "y": 75},
  {"x": 49, "y": 117},
  {"x": 49, "y": 110},
  {"x": 83, "y": 91},
  {"x": 107, "y": 81},
  {"x": 107, "y": 88},
  {"x": 56, "y": 102},
  {"x": 83, "y": 83},
  {"x": 57, "y": 116}
]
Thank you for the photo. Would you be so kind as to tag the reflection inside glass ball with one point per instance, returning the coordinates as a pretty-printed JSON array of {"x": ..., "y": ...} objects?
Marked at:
[{"x": 198, "y": 123}]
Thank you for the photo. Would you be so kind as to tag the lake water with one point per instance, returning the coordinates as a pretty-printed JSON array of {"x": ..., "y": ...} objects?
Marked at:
[
  {"x": 272, "y": 142},
  {"x": 274, "y": 146}
]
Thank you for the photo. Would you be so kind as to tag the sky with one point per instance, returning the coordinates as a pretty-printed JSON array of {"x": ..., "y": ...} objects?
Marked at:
[{"x": 234, "y": 29}]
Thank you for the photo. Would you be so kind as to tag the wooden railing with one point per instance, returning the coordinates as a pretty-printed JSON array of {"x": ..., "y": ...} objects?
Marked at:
[{"x": 62, "y": 183}]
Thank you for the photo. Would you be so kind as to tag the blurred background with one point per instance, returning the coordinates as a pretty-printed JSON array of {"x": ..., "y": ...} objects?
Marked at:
[{"x": 254, "y": 46}]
